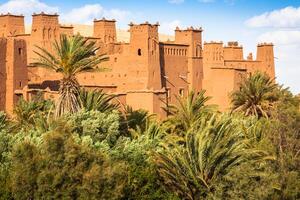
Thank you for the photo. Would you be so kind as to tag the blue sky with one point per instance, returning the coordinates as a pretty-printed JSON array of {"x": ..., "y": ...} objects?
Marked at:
[{"x": 248, "y": 21}]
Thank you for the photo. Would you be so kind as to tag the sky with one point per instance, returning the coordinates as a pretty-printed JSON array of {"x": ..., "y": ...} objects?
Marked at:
[{"x": 246, "y": 21}]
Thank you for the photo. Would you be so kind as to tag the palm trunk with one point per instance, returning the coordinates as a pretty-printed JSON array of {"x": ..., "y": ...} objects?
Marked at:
[{"x": 69, "y": 100}]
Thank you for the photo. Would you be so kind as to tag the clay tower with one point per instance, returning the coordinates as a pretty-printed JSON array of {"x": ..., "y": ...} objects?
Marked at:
[
  {"x": 11, "y": 25},
  {"x": 144, "y": 47},
  {"x": 105, "y": 30}
]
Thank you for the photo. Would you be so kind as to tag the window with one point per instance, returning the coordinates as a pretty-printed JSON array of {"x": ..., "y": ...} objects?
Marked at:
[
  {"x": 181, "y": 92},
  {"x": 139, "y": 52},
  {"x": 20, "y": 84},
  {"x": 20, "y": 50}
]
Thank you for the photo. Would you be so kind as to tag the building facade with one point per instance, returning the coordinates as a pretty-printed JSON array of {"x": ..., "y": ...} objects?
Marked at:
[{"x": 144, "y": 72}]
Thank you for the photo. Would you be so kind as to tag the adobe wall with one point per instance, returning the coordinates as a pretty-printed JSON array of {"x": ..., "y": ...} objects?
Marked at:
[
  {"x": 221, "y": 84},
  {"x": 66, "y": 30},
  {"x": 174, "y": 62},
  {"x": 233, "y": 51},
  {"x": 3, "y": 43},
  {"x": 148, "y": 100},
  {"x": 192, "y": 37},
  {"x": 11, "y": 25}
]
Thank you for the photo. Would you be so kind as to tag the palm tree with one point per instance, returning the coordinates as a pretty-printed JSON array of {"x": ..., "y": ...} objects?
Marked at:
[
  {"x": 210, "y": 152},
  {"x": 152, "y": 130},
  {"x": 72, "y": 56},
  {"x": 188, "y": 110},
  {"x": 255, "y": 96},
  {"x": 27, "y": 113},
  {"x": 97, "y": 100}
]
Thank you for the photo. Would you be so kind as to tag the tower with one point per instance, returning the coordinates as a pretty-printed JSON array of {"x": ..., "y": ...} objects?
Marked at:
[
  {"x": 105, "y": 30},
  {"x": 15, "y": 72},
  {"x": 265, "y": 54},
  {"x": 11, "y": 25},
  {"x": 233, "y": 51},
  {"x": 144, "y": 49},
  {"x": 192, "y": 37},
  {"x": 45, "y": 30}
]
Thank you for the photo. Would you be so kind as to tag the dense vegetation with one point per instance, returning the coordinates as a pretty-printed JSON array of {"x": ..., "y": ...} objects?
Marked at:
[{"x": 108, "y": 151}]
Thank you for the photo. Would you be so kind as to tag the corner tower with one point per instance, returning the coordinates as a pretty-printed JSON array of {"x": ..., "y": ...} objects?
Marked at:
[
  {"x": 265, "y": 54},
  {"x": 105, "y": 30},
  {"x": 11, "y": 25}
]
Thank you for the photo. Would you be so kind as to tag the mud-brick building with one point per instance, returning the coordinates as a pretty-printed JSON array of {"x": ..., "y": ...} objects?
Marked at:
[{"x": 143, "y": 72}]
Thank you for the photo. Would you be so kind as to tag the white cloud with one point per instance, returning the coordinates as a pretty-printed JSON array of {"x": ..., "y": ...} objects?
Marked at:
[
  {"x": 26, "y": 7},
  {"x": 169, "y": 27},
  {"x": 87, "y": 13},
  {"x": 281, "y": 37},
  {"x": 84, "y": 15},
  {"x": 288, "y": 17},
  {"x": 176, "y": 1},
  {"x": 117, "y": 14},
  {"x": 287, "y": 47}
]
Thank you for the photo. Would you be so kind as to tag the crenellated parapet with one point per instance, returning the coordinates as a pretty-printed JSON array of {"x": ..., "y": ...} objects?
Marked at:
[{"x": 265, "y": 44}]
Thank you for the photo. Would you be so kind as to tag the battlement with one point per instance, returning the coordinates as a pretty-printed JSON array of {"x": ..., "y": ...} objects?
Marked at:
[
  {"x": 146, "y": 23},
  {"x": 45, "y": 14},
  {"x": 10, "y": 15},
  {"x": 188, "y": 29},
  {"x": 233, "y": 44},
  {"x": 265, "y": 44},
  {"x": 144, "y": 28},
  {"x": 104, "y": 20}
]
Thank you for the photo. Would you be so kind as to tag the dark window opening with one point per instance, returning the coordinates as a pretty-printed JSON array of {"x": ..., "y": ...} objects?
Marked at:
[
  {"x": 181, "y": 92},
  {"x": 20, "y": 83},
  {"x": 139, "y": 52},
  {"x": 20, "y": 51}
]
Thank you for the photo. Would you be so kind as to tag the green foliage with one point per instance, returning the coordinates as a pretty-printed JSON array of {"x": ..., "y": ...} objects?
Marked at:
[
  {"x": 212, "y": 150},
  {"x": 27, "y": 113},
  {"x": 62, "y": 167},
  {"x": 196, "y": 153},
  {"x": 142, "y": 181},
  {"x": 97, "y": 100},
  {"x": 98, "y": 126},
  {"x": 187, "y": 112},
  {"x": 255, "y": 96}
]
